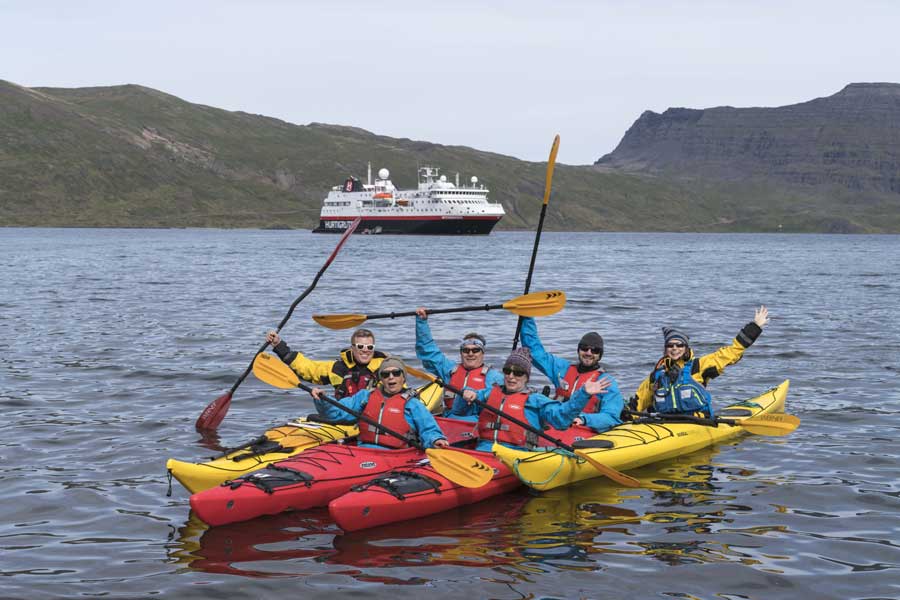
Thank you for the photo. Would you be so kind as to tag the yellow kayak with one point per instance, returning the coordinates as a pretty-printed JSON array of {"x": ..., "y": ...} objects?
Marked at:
[
  {"x": 633, "y": 445},
  {"x": 302, "y": 434},
  {"x": 275, "y": 445}
]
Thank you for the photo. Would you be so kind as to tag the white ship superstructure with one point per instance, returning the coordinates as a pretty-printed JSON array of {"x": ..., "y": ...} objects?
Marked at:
[{"x": 437, "y": 206}]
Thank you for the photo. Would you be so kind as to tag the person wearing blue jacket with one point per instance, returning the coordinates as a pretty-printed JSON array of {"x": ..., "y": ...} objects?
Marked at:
[
  {"x": 515, "y": 399},
  {"x": 392, "y": 405},
  {"x": 470, "y": 371},
  {"x": 603, "y": 411}
]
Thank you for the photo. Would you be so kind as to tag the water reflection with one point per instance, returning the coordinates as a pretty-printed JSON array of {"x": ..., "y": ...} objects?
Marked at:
[{"x": 573, "y": 528}]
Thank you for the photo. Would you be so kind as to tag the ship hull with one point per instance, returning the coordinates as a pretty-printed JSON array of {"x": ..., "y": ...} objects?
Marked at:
[{"x": 412, "y": 225}]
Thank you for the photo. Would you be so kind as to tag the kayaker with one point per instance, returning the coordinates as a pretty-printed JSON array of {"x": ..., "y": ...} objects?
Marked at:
[
  {"x": 355, "y": 369},
  {"x": 470, "y": 371},
  {"x": 524, "y": 404},
  {"x": 603, "y": 410},
  {"x": 391, "y": 404},
  {"x": 677, "y": 384}
]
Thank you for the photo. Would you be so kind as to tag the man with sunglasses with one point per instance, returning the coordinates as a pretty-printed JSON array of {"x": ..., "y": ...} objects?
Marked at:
[
  {"x": 517, "y": 400},
  {"x": 677, "y": 384},
  {"x": 390, "y": 404},
  {"x": 470, "y": 371},
  {"x": 602, "y": 411},
  {"x": 355, "y": 369}
]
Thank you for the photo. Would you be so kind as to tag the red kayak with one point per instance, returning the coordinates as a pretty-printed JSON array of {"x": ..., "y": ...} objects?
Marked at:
[
  {"x": 309, "y": 479},
  {"x": 416, "y": 492}
]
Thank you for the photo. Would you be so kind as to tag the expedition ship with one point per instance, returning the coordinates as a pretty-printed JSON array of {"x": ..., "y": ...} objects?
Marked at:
[{"x": 437, "y": 207}]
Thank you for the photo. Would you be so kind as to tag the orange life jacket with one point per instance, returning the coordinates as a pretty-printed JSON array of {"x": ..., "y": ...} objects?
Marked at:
[
  {"x": 497, "y": 429},
  {"x": 388, "y": 412}
]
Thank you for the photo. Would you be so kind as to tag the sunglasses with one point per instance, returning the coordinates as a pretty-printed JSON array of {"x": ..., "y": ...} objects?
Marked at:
[
  {"x": 475, "y": 350},
  {"x": 592, "y": 349},
  {"x": 365, "y": 346},
  {"x": 390, "y": 373},
  {"x": 674, "y": 345},
  {"x": 515, "y": 372}
]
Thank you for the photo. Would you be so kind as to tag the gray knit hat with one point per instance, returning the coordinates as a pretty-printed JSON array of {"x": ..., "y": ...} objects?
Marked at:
[
  {"x": 520, "y": 357},
  {"x": 391, "y": 363},
  {"x": 670, "y": 333}
]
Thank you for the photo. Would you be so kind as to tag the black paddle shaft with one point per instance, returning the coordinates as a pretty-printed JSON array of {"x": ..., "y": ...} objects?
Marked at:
[
  {"x": 299, "y": 299},
  {"x": 437, "y": 311},
  {"x": 512, "y": 419},
  {"x": 673, "y": 418},
  {"x": 534, "y": 251},
  {"x": 363, "y": 417}
]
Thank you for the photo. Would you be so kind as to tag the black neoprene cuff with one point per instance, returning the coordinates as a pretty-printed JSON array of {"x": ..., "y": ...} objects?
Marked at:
[
  {"x": 282, "y": 350},
  {"x": 749, "y": 334}
]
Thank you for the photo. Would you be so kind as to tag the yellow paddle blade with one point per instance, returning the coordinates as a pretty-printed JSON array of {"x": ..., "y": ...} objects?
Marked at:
[
  {"x": 551, "y": 162},
  {"x": 459, "y": 467},
  {"x": 777, "y": 424},
  {"x": 432, "y": 395},
  {"x": 340, "y": 321},
  {"x": 269, "y": 369},
  {"x": 537, "y": 304},
  {"x": 617, "y": 476}
]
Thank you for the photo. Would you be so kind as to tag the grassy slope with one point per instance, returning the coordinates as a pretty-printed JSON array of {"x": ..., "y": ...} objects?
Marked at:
[{"x": 135, "y": 157}]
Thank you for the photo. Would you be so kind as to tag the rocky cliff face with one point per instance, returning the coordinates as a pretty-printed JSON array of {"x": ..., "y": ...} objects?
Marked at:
[{"x": 850, "y": 139}]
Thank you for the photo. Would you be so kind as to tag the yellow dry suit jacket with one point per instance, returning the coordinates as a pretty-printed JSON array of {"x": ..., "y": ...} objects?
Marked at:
[{"x": 342, "y": 373}]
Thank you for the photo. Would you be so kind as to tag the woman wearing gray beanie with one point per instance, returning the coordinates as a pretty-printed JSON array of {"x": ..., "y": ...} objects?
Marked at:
[
  {"x": 677, "y": 384},
  {"x": 518, "y": 401}
]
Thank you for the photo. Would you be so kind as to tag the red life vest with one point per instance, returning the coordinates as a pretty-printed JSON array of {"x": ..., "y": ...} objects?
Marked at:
[
  {"x": 387, "y": 412},
  {"x": 460, "y": 377},
  {"x": 573, "y": 380},
  {"x": 355, "y": 377},
  {"x": 497, "y": 429}
]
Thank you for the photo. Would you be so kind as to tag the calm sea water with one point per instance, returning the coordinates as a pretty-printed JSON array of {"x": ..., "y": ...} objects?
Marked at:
[{"x": 113, "y": 341}]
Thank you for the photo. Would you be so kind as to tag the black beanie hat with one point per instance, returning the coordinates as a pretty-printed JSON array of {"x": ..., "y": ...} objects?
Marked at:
[
  {"x": 670, "y": 333},
  {"x": 592, "y": 339}
]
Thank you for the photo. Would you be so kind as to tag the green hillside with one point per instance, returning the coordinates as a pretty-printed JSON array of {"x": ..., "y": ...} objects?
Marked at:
[{"x": 130, "y": 156}]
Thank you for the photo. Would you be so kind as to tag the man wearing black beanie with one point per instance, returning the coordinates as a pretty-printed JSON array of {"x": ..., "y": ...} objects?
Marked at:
[{"x": 602, "y": 410}]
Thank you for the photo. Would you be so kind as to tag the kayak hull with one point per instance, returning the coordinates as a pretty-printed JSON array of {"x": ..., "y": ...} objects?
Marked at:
[
  {"x": 307, "y": 480},
  {"x": 634, "y": 445},
  {"x": 311, "y": 478},
  {"x": 413, "y": 493}
]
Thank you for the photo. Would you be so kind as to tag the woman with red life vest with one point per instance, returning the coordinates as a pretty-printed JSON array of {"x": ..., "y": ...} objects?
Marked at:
[
  {"x": 469, "y": 372},
  {"x": 517, "y": 400},
  {"x": 355, "y": 370},
  {"x": 603, "y": 410},
  {"x": 391, "y": 404},
  {"x": 677, "y": 384}
]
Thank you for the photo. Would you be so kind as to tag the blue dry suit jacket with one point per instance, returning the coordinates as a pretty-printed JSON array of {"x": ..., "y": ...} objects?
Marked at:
[
  {"x": 420, "y": 420},
  {"x": 611, "y": 401},
  {"x": 539, "y": 411},
  {"x": 437, "y": 363}
]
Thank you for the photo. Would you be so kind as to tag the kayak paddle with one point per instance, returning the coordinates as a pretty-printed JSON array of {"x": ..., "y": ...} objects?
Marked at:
[
  {"x": 537, "y": 304},
  {"x": 458, "y": 467},
  {"x": 609, "y": 472},
  {"x": 551, "y": 163},
  {"x": 215, "y": 412}
]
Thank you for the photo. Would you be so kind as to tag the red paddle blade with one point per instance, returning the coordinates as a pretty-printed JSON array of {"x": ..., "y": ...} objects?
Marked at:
[{"x": 212, "y": 415}]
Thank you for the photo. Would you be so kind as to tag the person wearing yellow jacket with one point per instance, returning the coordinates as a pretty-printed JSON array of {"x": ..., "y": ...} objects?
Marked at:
[
  {"x": 677, "y": 384},
  {"x": 355, "y": 369}
]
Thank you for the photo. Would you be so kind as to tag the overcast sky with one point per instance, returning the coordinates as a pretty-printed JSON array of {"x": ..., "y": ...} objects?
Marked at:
[{"x": 498, "y": 76}]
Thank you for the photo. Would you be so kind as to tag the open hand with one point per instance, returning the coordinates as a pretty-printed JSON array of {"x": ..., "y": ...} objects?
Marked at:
[
  {"x": 597, "y": 386},
  {"x": 762, "y": 316}
]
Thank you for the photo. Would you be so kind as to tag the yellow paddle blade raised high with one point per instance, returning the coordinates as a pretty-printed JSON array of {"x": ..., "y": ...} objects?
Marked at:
[{"x": 535, "y": 304}]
